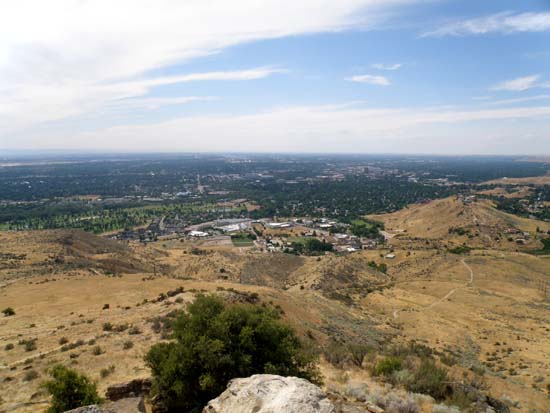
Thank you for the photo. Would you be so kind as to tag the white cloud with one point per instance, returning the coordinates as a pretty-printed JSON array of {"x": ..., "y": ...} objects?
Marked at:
[
  {"x": 519, "y": 84},
  {"x": 250, "y": 74},
  {"x": 382, "y": 66},
  {"x": 518, "y": 100},
  {"x": 156, "y": 103},
  {"x": 370, "y": 79},
  {"x": 505, "y": 22},
  {"x": 65, "y": 58},
  {"x": 329, "y": 128}
]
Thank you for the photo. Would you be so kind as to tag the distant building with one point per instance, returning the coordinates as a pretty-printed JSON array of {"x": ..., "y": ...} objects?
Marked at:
[
  {"x": 199, "y": 234},
  {"x": 276, "y": 225}
]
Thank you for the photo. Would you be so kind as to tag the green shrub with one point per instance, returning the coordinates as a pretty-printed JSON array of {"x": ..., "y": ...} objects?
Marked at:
[
  {"x": 9, "y": 346},
  {"x": 107, "y": 326},
  {"x": 462, "y": 249},
  {"x": 387, "y": 365},
  {"x": 8, "y": 311},
  {"x": 215, "y": 343},
  {"x": 63, "y": 340},
  {"x": 69, "y": 390},
  {"x": 128, "y": 344},
  {"x": 430, "y": 379}
]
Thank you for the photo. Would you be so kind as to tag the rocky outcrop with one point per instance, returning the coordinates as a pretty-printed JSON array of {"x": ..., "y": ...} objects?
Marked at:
[
  {"x": 128, "y": 405},
  {"x": 134, "y": 388},
  {"x": 266, "y": 393}
]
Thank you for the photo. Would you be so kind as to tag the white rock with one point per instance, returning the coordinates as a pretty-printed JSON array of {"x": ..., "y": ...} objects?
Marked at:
[{"x": 266, "y": 393}]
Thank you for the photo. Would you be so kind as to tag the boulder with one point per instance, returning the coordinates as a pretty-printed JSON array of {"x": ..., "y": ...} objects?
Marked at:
[
  {"x": 134, "y": 388},
  {"x": 266, "y": 393}
]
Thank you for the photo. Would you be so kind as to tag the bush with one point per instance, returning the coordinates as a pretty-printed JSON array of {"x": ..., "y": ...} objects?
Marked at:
[
  {"x": 9, "y": 346},
  {"x": 335, "y": 353},
  {"x": 69, "y": 390},
  {"x": 357, "y": 353},
  {"x": 386, "y": 366},
  {"x": 134, "y": 330},
  {"x": 121, "y": 327},
  {"x": 430, "y": 379},
  {"x": 107, "y": 326},
  {"x": 30, "y": 375},
  {"x": 30, "y": 345},
  {"x": 8, "y": 311},
  {"x": 63, "y": 340},
  {"x": 97, "y": 350},
  {"x": 215, "y": 343},
  {"x": 402, "y": 406},
  {"x": 128, "y": 345},
  {"x": 107, "y": 371}
]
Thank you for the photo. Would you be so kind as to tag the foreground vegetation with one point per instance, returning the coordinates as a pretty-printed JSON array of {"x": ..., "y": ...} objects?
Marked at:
[{"x": 213, "y": 343}]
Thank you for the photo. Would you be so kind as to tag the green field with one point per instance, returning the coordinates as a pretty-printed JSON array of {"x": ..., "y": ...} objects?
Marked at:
[{"x": 242, "y": 242}]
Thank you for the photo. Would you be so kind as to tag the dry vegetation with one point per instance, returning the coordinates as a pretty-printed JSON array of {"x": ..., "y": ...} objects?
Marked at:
[{"x": 91, "y": 303}]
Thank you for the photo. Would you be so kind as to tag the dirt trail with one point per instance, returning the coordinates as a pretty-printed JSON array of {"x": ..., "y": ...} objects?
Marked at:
[{"x": 449, "y": 294}]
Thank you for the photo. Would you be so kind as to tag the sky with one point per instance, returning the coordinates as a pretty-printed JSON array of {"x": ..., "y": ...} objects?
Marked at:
[{"x": 346, "y": 76}]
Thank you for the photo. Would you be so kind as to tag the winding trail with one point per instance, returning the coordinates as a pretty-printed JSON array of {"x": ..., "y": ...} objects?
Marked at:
[{"x": 449, "y": 294}]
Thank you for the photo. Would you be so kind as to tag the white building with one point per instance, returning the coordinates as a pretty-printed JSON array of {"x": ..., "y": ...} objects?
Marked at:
[{"x": 199, "y": 234}]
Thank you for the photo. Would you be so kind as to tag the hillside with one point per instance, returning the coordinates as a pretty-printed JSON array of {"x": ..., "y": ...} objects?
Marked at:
[
  {"x": 456, "y": 221},
  {"x": 483, "y": 313}
]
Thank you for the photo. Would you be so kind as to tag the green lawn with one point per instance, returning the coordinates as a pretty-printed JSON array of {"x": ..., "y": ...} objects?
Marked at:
[{"x": 240, "y": 242}]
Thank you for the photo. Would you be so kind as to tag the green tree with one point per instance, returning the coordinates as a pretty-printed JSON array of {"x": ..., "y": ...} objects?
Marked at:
[
  {"x": 215, "y": 343},
  {"x": 69, "y": 390}
]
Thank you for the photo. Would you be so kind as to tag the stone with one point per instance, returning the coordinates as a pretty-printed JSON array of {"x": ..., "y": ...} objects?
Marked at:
[
  {"x": 134, "y": 388},
  {"x": 266, "y": 393}
]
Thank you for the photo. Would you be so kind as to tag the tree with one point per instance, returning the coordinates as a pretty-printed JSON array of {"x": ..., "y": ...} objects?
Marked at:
[
  {"x": 70, "y": 390},
  {"x": 215, "y": 343}
]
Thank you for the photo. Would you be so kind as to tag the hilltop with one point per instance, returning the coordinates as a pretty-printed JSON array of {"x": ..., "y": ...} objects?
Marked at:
[{"x": 459, "y": 220}]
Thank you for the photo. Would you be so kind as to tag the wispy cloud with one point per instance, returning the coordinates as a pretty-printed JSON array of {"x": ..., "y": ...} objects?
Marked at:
[
  {"x": 505, "y": 22},
  {"x": 518, "y": 100},
  {"x": 72, "y": 57},
  {"x": 249, "y": 74},
  {"x": 370, "y": 79},
  {"x": 157, "y": 103},
  {"x": 521, "y": 84},
  {"x": 382, "y": 66}
]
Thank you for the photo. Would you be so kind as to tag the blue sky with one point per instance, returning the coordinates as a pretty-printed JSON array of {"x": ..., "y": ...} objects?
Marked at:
[{"x": 400, "y": 76}]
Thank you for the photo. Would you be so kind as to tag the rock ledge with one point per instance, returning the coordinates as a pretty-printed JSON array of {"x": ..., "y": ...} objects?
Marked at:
[{"x": 266, "y": 393}]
